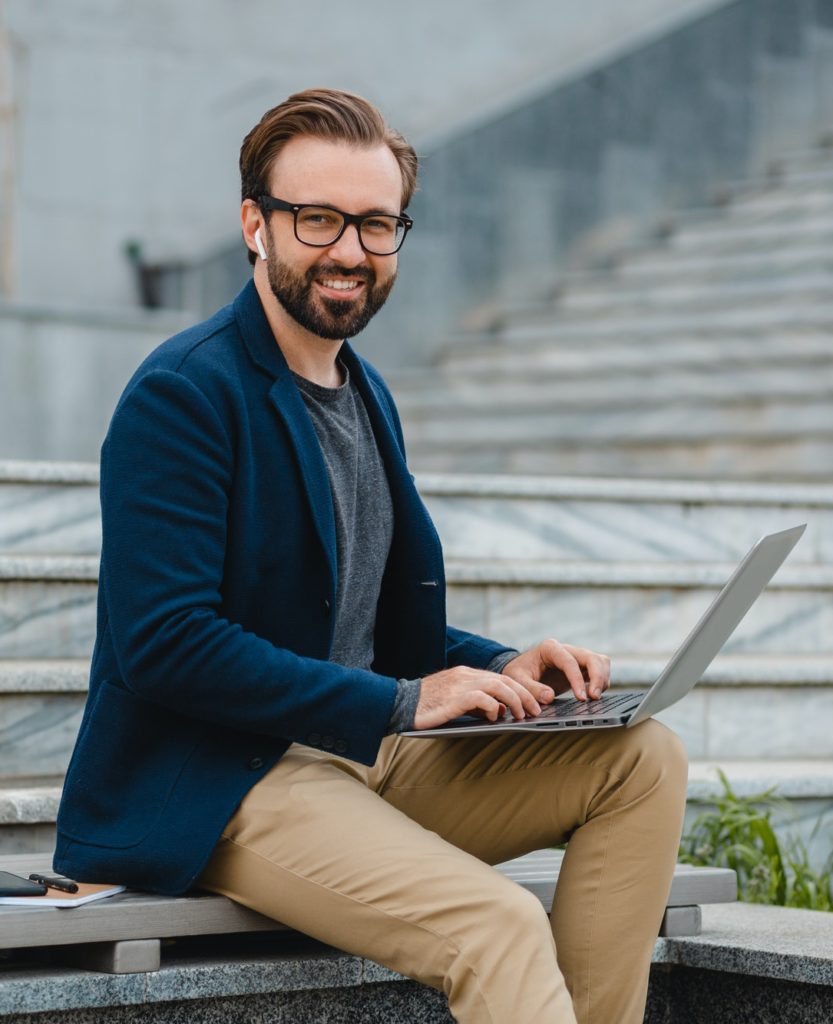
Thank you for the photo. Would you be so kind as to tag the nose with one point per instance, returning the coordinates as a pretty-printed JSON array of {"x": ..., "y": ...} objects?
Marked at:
[{"x": 348, "y": 249}]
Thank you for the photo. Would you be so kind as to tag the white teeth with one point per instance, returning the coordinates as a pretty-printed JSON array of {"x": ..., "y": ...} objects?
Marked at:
[{"x": 340, "y": 284}]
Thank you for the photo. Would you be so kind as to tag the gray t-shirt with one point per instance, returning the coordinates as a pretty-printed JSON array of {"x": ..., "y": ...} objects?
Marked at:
[{"x": 363, "y": 513}]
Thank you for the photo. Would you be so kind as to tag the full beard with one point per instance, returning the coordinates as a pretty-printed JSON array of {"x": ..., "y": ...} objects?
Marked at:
[{"x": 333, "y": 319}]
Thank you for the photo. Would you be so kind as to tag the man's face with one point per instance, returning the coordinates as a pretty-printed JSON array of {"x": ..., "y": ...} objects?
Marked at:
[{"x": 310, "y": 282}]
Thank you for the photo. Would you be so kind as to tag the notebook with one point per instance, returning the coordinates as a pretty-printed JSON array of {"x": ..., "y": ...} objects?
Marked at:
[{"x": 87, "y": 893}]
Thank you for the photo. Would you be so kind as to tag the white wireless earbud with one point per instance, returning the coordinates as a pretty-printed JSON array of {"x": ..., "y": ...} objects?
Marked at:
[{"x": 259, "y": 243}]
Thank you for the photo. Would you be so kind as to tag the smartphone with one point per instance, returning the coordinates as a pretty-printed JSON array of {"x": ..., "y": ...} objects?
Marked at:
[{"x": 14, "y": 885}]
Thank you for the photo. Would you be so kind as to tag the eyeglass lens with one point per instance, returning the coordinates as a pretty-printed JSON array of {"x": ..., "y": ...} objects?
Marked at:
[{"x": 379, "y": 234}]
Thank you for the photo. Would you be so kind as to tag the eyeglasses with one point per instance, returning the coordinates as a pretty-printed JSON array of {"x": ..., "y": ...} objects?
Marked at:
[{"x": 380, "y": 234}]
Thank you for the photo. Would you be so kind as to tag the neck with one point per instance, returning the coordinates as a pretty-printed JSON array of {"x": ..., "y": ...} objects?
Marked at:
[{"x": 306, "y": 354}]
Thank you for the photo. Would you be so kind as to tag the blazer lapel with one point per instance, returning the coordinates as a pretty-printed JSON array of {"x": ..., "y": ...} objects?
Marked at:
[{"x": 289, "y": 405}]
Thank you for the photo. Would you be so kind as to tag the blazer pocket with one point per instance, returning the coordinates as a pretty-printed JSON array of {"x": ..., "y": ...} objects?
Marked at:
[{"x": 124, "y": 768}]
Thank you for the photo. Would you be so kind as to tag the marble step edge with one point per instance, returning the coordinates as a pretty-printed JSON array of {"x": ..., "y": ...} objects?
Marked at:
[
  {"x": 479, "y": 572},
  {"x": 544, "y": 351},
  {"x": 49, "y": 568},
  {"x": 717, "y": 219},
  {"x": 474, "y": 485},
  {"x": 717, "y": 316},
  {"x": 753, "y": 204},
  {"x": 630, "y": 490},
  {"x": 562, "y": 435},
  {"x": 19, "y": 676},
  {"x": 612, "y": 390},
  {"x": 681, "y": 285},
  {"x": 613, "y": 294},
  {"x": 22, "y": 677},
  {"x": 38, "y": 803},
  {"x": 726, "y": 345},
  {"x": 547, "y": 329},
  {"x": 719, "y": 234},
  {"x": 32, "y": 471},
  {"x": 676, "y": 575},
  {"x": 782, "y": 177},
  {"x": 652, "y": 263},
  {"x": 572, "y": 396}
]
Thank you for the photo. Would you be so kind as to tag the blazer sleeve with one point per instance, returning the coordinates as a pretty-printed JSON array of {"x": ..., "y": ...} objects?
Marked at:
[{"x": 167, "y": 470}]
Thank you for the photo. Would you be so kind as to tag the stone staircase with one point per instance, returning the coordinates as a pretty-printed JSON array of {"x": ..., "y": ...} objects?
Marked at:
[
  {"x": 706, "y": 352},
  {"x": 626, "y": 566}
]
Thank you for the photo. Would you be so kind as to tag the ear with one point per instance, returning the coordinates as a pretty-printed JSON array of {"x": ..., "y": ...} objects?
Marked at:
[{"x": 251, "y": 220}]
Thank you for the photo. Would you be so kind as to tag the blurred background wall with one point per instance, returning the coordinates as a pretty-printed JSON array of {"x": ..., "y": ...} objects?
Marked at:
[{"x": 552, "y": 133}]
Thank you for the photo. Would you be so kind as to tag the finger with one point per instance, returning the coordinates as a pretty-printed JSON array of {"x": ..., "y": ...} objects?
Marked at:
[
  {"x": 516, "y": 697},
  {"x": 596, "y": 669},
  {"x": 481, "y": 703},
  {"x": 540, "y": 691},
  {"x": 500, "y": 688},
  {"x": 524, "y": 691},
  {"x": 560, "y": 657}
]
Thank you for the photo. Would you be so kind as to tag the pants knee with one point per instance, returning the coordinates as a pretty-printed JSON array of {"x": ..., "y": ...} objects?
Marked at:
[
  {"x": 518, "y": 919},
  {"x": 658, "y": 756}
]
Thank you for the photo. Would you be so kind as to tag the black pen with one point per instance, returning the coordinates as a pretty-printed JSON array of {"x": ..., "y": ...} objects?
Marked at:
[{"x": 61, "y": 884}]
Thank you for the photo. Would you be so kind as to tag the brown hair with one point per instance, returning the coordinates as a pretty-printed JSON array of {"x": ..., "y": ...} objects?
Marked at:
[{"x": 326, "y": 114}]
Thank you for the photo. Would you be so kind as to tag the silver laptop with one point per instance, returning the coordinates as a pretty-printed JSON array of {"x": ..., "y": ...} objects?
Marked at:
[{"x": 686, "y": 667}]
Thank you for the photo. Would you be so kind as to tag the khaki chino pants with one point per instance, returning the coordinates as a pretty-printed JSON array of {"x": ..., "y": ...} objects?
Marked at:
[{"x": 392, "y": 863}]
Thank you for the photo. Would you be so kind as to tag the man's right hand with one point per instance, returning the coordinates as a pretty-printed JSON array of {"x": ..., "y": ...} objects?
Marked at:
[{"x": 462, "y": 690}]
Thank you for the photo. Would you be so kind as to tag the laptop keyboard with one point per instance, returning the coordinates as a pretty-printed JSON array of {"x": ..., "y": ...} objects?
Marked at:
[{"x": 573, "y": 708}]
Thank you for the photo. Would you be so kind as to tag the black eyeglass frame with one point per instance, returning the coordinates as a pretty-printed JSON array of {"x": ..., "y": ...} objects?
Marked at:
[{"x": 267, "y": 202}]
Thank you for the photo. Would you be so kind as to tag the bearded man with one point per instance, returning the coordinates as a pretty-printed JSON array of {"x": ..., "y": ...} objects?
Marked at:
[{"x": 271, "y": 619}]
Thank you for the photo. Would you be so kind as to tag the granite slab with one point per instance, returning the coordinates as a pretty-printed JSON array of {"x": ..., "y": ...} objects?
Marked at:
[{"x": 761, "y": 941}]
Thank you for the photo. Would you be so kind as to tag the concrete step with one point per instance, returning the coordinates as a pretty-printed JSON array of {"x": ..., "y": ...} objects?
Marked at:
[
  {"x": 611, "y": 296},
  {"x": 49, "y": 508},
  {"x": 746, "y": 706},
  {"x": 47, "y": 606},
  {"x": 538, "y": 517},
  {"x": 610, "y": 388},
  {"x": 756, "y": 201},
  {"x": 41, "y": 704},
  {"x": 784, "y": 176},
  {"x": 763, "y": 458},
  {"x": 809, "y": 311},
  {"x": 624, "y": 606},
  {"x": 658, "y": 266},
  {"x": 812, "y": 160},
  {"x": 796, "y": 198},
  {"x": 631, "y": 420},
  {"x": 528, "y": 518},
  {"x": 555, "y": 351},
  {"x": 28, "y": 812},
  {"x": 635, "y": 607},
  {"x": 709, "y": 232}
]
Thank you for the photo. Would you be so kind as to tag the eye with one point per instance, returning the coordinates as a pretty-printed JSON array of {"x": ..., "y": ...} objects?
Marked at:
[
  {"x": 314, "y": 217},
  {"x": 379, "y": 225}
]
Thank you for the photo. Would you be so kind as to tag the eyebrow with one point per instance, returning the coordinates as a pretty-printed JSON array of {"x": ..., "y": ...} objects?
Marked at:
[{"x": 370, "y": 212}]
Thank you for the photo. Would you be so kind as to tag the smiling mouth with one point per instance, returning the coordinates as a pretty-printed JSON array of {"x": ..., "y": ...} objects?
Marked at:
[{"x": 347, "y": 288}]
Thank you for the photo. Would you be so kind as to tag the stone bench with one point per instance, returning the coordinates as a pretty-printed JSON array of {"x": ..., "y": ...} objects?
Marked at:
[{"x": 123, "y": 934}]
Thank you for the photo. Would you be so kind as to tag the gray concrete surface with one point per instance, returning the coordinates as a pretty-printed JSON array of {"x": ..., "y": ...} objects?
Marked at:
[{"x": 123, "y": 121}]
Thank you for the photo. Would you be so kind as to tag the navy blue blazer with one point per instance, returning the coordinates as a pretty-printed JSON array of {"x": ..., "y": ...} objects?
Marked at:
[{"x": 216, "y": 603}]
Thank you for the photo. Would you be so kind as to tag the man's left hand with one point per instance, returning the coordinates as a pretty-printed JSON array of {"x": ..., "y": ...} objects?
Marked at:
[{"x": 551, "y": 668}]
